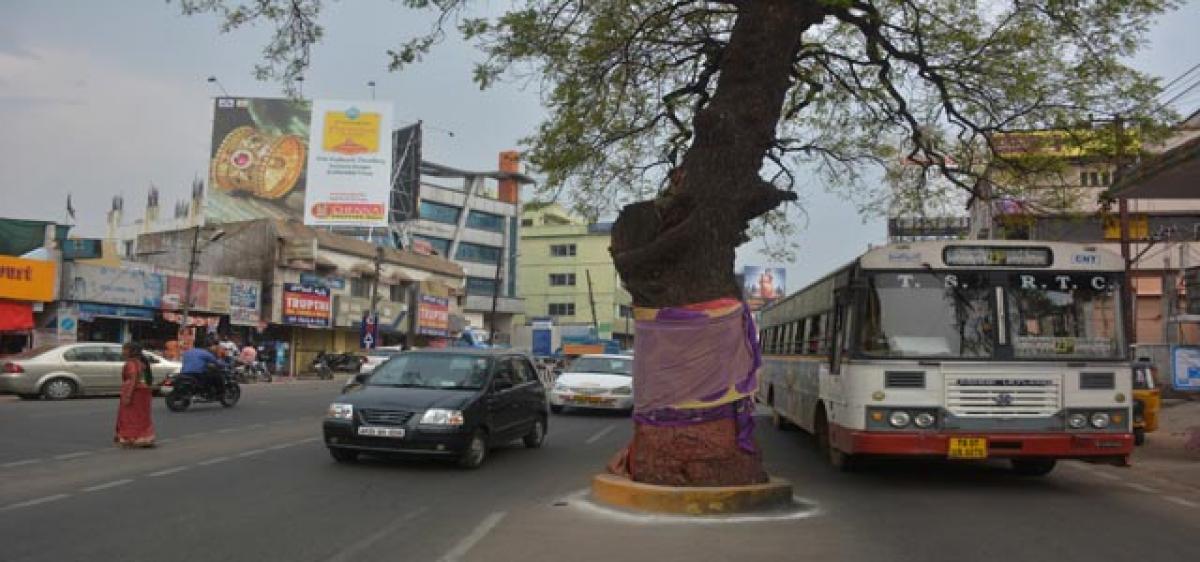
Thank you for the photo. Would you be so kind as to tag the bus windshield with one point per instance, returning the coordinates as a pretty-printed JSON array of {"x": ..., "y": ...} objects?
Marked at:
[
  {"x": 915, "y": 314},
  {"x": 1056, "y": 315}
]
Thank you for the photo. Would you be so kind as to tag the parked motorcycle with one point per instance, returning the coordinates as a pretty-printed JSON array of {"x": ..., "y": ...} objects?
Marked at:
[
  {"x": 252, "y": 372},
  {"x": 326, "y": 363},
  {"x": 181, "y": 390}
]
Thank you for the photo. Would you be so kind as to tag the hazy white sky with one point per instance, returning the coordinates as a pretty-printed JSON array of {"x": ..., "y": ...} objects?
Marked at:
[{"x": 106, "y": 98}]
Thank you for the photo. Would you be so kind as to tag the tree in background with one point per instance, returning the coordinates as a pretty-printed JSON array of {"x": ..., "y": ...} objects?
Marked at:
[{"x": 706, "y": 110}]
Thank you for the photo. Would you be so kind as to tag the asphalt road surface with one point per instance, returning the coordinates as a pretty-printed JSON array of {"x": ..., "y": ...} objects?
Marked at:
[{"x": 254, "y": 483}]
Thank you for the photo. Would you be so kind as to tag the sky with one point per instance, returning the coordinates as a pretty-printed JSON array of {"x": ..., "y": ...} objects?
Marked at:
[{"x": 105, "y": 98}]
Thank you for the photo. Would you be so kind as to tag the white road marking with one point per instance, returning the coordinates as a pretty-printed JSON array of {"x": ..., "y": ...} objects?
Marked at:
[
  {"x": 167, "y": 440},
  {"x": 1106, "y": 475},
  {"x": 228, "y": 430},
  {"x": 212, "y": 461},
  {"x": 20, "y": 463},
  {"x": 256, "y": 425},
  {"x": 351, "y": 552},
  {"x": 303, "y": 441},
  {"x": 279, "y": 446},
  {"x": 38, "y": 501},
  {"x": 1181, "y": 501},
  {"x": 108, "y": 485},
  {"x": 599, "y": 435},
  {"x": 167, "y": 471},
  {"x": 66, "y": 456},
  {"x": 468, "y": 542},
  {"x": 1142, "y": 488},
  {"x": 250, "y": 452}
]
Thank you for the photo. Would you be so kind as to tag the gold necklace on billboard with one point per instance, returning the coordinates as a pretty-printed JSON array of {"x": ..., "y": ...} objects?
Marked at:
[{"x": 263, "y": 165}]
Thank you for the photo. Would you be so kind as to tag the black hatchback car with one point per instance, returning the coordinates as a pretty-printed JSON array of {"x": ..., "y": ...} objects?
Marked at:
[{"x": 453, "y": 403}]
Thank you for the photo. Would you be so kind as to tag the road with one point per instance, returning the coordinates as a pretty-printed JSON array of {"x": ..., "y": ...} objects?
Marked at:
[{"x": 255, "y": 483}]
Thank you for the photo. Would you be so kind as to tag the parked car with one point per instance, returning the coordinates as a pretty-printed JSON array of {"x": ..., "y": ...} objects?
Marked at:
[
  {"x": 453, "y": 403},
  {"x": 66, "y": 371},
  {"x": 595, "y": 381}
]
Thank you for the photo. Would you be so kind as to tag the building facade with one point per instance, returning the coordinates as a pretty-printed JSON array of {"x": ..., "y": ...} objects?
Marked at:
[{"x": 560, "y": 254}]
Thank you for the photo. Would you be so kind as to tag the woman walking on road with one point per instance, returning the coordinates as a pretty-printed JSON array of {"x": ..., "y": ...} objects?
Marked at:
[{"x": 134, "y": 427}]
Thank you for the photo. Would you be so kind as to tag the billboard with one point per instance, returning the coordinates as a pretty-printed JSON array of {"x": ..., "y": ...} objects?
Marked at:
[
  {"x": 28, "y": 280},
  {"x": 327, "y": 161},
  {"x": 406, "y": 172},
  {"x": 306, "y": 305},
  {"x": 433, "y": 316},
  {"x": 763, "y": 285},
  {"x": 244, "y": 302},
  {"x": 127, "y": 286}
]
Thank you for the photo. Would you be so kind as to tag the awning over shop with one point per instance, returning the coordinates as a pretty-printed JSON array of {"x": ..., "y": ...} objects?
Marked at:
[
  {"x": 1174, "y": 174},
  {"x": 16, "y": 316}
]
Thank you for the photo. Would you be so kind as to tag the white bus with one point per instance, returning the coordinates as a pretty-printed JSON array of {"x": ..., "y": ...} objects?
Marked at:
[{"x": 960, "y": 350}]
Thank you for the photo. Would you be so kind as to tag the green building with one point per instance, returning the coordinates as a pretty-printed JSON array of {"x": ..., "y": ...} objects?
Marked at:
[{"x": 558, "y": 253}]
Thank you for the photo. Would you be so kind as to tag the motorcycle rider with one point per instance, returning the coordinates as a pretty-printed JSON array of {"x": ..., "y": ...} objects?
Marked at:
[{"x": 204, "y": 365}]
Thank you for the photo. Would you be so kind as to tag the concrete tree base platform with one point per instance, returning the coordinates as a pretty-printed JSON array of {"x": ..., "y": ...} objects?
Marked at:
[{"x": 624, "y": 493}]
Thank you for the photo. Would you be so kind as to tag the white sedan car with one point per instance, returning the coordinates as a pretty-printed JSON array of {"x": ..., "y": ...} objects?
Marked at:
[{"x": 595, "y": 381}]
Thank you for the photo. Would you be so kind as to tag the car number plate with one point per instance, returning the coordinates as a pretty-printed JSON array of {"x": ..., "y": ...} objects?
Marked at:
[
  {"x": 393, "y": 432},
  {"x": 968, "y": 448},
  {"x": 590, "y": 400}
]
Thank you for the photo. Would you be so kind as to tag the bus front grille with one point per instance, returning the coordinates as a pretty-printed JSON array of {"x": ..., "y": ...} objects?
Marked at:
[{"x": 1008, "y": 397}]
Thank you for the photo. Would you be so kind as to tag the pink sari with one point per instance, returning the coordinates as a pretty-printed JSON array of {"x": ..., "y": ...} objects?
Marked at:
[{"x": 134, "y": 427}]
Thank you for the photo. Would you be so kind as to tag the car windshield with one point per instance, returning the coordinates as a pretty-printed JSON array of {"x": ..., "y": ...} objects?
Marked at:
[
  {"x": 433, "y": 370},
  {"x": 927, "y": 315},
  {"x": 608, "y": 365}
]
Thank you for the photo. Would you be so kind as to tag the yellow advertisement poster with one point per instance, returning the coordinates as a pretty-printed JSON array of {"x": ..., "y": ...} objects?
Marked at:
[
  {"x": 351, "y": 132},
  {"x": 27, "y": 280}
]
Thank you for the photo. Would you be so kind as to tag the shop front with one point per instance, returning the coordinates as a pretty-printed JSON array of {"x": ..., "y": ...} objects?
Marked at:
[
  {"x": 306, "y": 315},
  {"x": 25, "y": 285}
]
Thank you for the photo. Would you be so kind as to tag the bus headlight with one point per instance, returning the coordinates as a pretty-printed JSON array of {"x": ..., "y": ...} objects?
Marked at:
[
  {"x": 1100, "y": 420},
  {"x": 899, "y": 418},
  {"x": 1077, "y": 421},
  {"x": 924, "y": 420}
]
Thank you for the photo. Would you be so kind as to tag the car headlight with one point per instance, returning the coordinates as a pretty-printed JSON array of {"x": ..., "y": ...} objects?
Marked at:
[
  {"x": 1077, "y": 421},
  {"x": 623, "y": 390},
  {"x": 340, "y": 411},
  {"x": 439, "y": 416},
  {"x": 924, "y": 420},
  {"x": 899, "y": 418},
  {"x": 1100, "y": 420}
]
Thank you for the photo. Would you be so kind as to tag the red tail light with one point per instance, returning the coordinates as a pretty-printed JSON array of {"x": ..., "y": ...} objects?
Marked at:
[
  {"x": 13, "y": 368},
  {"x": 168, "y": 382}
]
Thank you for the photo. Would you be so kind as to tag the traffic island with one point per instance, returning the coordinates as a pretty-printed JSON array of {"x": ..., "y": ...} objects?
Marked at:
[{"x": 620, "y": 492}]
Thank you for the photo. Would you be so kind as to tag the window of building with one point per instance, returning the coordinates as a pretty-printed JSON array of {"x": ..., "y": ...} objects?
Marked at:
[
  {"x": 1105, "y": 178},
  {"x": 398, "y": 293},
  {"x": 485, "y": 221},
  {"x": 478, "y": 253},
  {"x": 480, "y": 286},
  {"x": 1083, "y": 179},
  {"x": 1094, "y": 177},
  {"x": 360, "y": 288},
  {"x": 626, "y": 311},
  {"x": 562, "y": 279},
  {"x": 562, "y": 309},
  {"x": 439, "y": 212},
  {"x": 526, "y": 222},
  {"x": 562, "y": 250},
  {"x": 129, "y": 248},
  {"x": 440, "y": 245}
]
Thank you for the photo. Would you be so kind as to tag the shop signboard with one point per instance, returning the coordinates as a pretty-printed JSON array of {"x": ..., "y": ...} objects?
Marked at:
[
  {"x": 368, "y": 331},
  {"x": 218, "y": 297},
  {"x": 89, "y": 311},
  {"x": 331, "y": 281},
  {"x": 328, "y": 162},
  {"x": 1185, "y": 367},
  {"x": 349, "y": 164},
  {"x": 68, "y": 324},
  {"x": 128, "y": 286},
  {"x": 27, "y": 280},
  {"x": 244, "y": 302},
  {"x": 306, "y": 305},
  {"x": 176, "y": 290},
  {"x": 763, "y": 285},
  {"x": 81, "y": 248},
  {"x": 433, "y": 316}
]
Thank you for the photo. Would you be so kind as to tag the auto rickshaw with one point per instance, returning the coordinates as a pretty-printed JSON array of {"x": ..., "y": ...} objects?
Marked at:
[{"x": 1147, "y": 400}]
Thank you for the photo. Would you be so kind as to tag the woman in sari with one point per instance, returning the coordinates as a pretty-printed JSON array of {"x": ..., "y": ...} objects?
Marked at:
[{"x": 134, "y": 427}]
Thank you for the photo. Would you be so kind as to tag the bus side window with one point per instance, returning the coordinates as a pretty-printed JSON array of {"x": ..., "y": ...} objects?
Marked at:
[{"x": 835, "y": 340}]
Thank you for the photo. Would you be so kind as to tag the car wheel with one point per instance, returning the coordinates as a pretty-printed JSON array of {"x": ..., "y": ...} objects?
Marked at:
[
  {"x": 537, "y": 435},
  {"x": 476, "y": 451},
  {"x": 556, "y": 409},
  {"x": 343, "y": 455},
  {"x": 59, "y": 389},
  {"x": 1033, "y": 467}
]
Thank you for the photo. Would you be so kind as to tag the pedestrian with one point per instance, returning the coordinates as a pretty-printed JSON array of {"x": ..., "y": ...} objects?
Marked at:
[{"x": 134, "y": 426}]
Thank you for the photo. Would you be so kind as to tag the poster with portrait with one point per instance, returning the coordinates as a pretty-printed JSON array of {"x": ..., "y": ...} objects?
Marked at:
[{"x": 763, "y": 285}]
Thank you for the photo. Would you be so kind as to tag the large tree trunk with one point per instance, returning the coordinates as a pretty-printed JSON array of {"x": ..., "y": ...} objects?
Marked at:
[{"x": 679, "y": 249}]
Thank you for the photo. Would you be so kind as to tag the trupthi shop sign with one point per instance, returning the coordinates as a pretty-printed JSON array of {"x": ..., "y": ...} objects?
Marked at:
[{"x": 306, "y": 305}]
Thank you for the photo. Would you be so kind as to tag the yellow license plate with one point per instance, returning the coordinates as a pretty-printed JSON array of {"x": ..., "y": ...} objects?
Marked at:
[
  {"x": 589, "y": 399},
  {"x": 968, "y": 448}
]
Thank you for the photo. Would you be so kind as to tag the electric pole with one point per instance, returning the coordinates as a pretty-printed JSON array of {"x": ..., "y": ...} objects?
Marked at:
[
  {"x": 495, "y": 299},
  {"x": 592, "y": 300},
  {"x": 1127, "y": 308},
  {"x": 375, "y": 295},
  {"x": 186, "y": 305}
]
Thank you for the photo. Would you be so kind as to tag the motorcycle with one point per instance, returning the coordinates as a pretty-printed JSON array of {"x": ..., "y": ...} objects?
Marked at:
[
  {"x": 326, "y": 363},
  {"x": 251, "y": 372},
  {"x": 181, "y": 390}
]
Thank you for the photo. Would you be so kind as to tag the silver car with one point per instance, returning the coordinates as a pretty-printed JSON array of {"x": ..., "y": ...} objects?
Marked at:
[{"x": 64, "y": 371}]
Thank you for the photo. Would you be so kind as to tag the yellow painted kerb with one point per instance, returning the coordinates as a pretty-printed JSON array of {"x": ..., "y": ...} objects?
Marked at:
[{"x": 717, "y": 500}]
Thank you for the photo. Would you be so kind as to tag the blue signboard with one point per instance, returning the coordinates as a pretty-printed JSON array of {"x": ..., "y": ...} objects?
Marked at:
[
  {"x": 1185, "y": 367},
  {"x": 88, "y": 311},
  {"x": 542, "y": 342},
  {"x": 309, "y": 278}
]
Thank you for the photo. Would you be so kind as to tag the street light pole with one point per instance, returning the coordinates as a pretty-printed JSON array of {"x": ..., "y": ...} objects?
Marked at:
[
  {"x": 372, "y": 85},
  {"x": 186, "y": 305}
]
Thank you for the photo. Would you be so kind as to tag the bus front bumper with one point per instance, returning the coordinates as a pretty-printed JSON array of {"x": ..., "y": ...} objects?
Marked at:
[{"x": 1108, "y": 446}]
